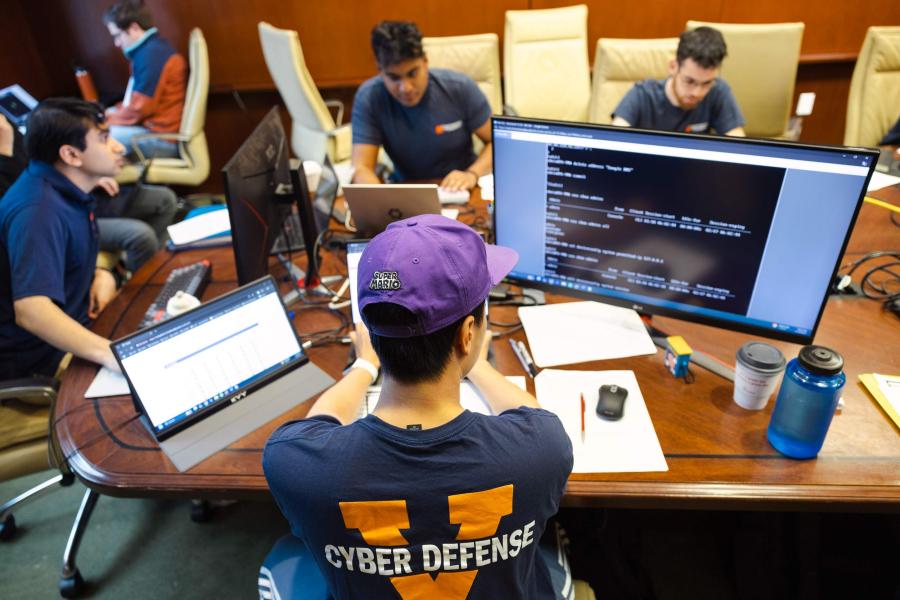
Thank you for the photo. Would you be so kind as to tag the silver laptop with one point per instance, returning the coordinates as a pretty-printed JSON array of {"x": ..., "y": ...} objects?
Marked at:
[
  {"x": 375, "y": 206},
  {"x": 204, "y": 379}
]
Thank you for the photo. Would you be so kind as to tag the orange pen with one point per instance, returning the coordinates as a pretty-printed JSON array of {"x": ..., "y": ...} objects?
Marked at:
[{"x": 582, "y": 417}]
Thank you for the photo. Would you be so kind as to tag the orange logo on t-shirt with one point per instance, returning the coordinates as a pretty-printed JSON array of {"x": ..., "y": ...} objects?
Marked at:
[
  {"x": 439, "y": 129},
  {"x": 381, "y": 524}
]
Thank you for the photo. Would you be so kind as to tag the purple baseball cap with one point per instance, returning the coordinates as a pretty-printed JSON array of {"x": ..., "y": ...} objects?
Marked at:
[{"x": 437, "y": 268}]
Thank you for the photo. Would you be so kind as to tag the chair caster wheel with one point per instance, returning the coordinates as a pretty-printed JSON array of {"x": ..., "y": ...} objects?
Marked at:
[
  {"x": 71, "y": 587},
  {"x": 8, "y": 528},
  {"x": 201, "y": 511}
]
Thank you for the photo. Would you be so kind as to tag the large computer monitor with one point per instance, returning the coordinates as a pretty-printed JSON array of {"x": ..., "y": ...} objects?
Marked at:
[
  {"x": 742, "y": 234},
  {"x": 262, "y": 186}
]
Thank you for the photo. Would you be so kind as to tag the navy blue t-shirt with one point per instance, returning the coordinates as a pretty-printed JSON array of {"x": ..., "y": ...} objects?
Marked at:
[
  {"x": 430, "y": 139},
  {"x": 646, "y": 106},
  {"x": 48, "y": 247},
  {"x": 418, "y": 514}
]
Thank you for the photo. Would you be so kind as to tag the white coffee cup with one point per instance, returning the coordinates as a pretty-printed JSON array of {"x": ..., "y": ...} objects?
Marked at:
[
  {"x": 756, "y": 372},
  {"x": 181, "y": 302},
  {"x": 313, "y": 172}
]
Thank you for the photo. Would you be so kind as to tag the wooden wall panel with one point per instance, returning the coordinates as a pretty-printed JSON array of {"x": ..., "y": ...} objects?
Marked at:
[
  {"x": 649, "y": 19},
  {"x": 20, "y": 61},
  {"x": 836, "y": 27},
  {"x": 52, "y": 34}
]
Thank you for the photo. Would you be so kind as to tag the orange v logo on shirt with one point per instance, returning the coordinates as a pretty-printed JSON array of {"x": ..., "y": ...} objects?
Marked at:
[{"x": 477, "y": 513}]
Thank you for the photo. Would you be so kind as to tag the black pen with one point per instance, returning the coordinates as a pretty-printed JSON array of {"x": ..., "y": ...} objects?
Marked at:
[
  {"x": 515, "y": 349},
  {"x": 532, "y": 368}
]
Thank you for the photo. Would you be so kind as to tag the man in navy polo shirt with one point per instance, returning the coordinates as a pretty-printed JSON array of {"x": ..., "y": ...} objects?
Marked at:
[
  {"x": 49, "y": 287},
  {"x": 423, "y": 117}
]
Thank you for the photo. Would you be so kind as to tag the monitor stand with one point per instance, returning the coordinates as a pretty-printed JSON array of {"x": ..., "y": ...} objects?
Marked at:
[
  {"x": 701, "y": 359},
  {"x": 316, "y": 288}
]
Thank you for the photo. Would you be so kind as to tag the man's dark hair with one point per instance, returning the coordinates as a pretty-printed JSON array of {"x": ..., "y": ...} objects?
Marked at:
[
  {"x": 704, "y": 45},
  {"x": 57, "y": 122},
  {"x": 413, "y": 359},
  {"x": 396, "y": 41},
  {"x": 123, "y": 14}
]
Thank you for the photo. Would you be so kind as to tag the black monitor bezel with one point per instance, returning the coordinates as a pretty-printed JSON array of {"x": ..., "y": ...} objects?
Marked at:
[{"x": 651, "y": 309}]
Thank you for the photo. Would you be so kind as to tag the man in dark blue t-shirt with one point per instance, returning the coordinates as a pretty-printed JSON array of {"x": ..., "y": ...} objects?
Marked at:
[
  {"x": 422, "y": 498},
  {"x": 692, "y": 99},
  {"x": 423, "y": 117},
  {"x": 49, "y": 287}
]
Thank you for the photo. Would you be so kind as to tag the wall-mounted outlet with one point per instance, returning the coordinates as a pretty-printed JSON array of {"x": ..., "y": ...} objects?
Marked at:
[{"x": 805, "y": 104}]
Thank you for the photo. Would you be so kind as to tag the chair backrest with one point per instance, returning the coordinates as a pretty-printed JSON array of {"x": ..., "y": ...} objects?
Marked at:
[
  {"x": 311, "y": 120},
  {"x": 761, "y": 68},
  {"x": 619, "y": 64},
  {"x": 873, "y": 104},
  {"x": 545, "y": 63},
  {"x": 193, "y": 118},
  {"x": 478, "y": 56}
]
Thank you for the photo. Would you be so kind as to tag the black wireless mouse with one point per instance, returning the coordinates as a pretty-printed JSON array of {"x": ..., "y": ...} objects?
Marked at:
[{"x": 611, "y": 402}]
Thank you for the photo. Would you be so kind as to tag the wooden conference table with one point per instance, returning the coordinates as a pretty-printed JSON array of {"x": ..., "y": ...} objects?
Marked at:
[{"x": 717, "y": 452}]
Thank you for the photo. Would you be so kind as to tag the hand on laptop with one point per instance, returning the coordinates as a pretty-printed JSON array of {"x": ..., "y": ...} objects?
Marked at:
[
  {"x": 7, "y": 135},
  {"x": 363, "y": 345},
  {"x": 459, "y": 180}
]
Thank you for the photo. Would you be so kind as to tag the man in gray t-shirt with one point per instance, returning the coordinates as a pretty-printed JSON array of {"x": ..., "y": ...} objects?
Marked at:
[
  {"x": 423, "y": 117},
  {"x": 692, "y": 99}
]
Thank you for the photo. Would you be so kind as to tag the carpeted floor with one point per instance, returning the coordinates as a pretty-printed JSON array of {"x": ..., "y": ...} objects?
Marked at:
[{"x": 136, "y": 548}]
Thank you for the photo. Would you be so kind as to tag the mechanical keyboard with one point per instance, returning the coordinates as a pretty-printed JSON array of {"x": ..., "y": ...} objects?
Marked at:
[{"x": 191, "y": 279}]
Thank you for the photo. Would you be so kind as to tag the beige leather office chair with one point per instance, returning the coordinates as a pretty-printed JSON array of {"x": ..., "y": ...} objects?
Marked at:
[
  {"x": 25, "y": 409},
  {"x": 761, "y": 68},
  {"x": 314, "y": 134},
  {"x": 873, "y": 105},
  {"x": 478, "y": 56},
  {"x": 619, "y": 64},
  {"x": 192, "y": 165},
  {"x": 545, "y": 63}
]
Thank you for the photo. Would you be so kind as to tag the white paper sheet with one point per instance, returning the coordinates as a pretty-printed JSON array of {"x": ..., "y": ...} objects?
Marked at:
[
  {"x": 881, "y": 180},
  {"x": 469, "y": 397},
  {"x": 202, "y": 226},
  {"x": 107, "y": 383},
  {"x": 624, "y": 446},
  {"x": 486, "y": 183},
  {"x": 450, "y": 213},
  {"x": 574, "y": 332}
]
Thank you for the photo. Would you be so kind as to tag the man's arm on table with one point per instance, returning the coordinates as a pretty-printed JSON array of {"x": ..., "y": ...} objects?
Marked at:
[
  {"x": 40, "y": 316},
  {"x": 468, "y": 179},
  {"x": 343, "y": 400},
  {"x": 497, "y": 390},
  {"x": 363, "y": 158}
]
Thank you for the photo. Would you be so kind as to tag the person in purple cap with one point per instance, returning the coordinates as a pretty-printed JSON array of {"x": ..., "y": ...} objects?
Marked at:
[{"x": 422, "y": 498}]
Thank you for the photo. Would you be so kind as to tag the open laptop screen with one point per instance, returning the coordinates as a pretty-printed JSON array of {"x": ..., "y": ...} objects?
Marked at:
[
  {"x": 186, "y": 368},
  {"x": 354, "y": 253}
]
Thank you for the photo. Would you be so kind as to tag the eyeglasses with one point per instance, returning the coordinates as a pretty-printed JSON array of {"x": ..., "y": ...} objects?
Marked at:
[{"x": 691, "y": 83}]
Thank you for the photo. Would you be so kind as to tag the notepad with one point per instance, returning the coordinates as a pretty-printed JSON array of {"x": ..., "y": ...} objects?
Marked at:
[
  {"x": 886, "y": 391},
  {"x": 206, "y": 225},
  {"x": 107, "y": 383},
  {"x": 574, "y": 332},
  {"x": 628, "y": 445}
]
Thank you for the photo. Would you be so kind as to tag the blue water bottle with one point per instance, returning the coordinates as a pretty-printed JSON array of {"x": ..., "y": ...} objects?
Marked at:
[{"x": 806, "y": 402}]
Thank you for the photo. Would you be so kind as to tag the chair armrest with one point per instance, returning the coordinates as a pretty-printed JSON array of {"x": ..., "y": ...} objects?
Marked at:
[
  {"x": 340, "y": 110},
  {"x": 343, "y": 141},
  {"x": 174, "y": 137},
  {"x": 38, "y": 390}
]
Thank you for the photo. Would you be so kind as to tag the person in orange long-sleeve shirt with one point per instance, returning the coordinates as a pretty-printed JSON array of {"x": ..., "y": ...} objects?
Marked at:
[{"x": 154, "y": 98}]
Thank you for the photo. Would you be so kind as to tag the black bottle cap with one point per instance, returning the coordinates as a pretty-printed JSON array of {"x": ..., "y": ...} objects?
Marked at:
[{"x": 820, "y": 360}]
